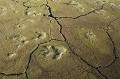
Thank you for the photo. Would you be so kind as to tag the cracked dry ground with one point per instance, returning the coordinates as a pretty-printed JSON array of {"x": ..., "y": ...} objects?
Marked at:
[{"x": 59, "y": 39}]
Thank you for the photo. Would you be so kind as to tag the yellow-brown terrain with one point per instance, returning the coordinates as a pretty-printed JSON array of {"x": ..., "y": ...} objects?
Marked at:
[{"x": 59, "y": 39}]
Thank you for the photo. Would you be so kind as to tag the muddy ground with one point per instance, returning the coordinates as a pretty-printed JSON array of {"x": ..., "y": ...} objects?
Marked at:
[{"x": 59, "y": 39}]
